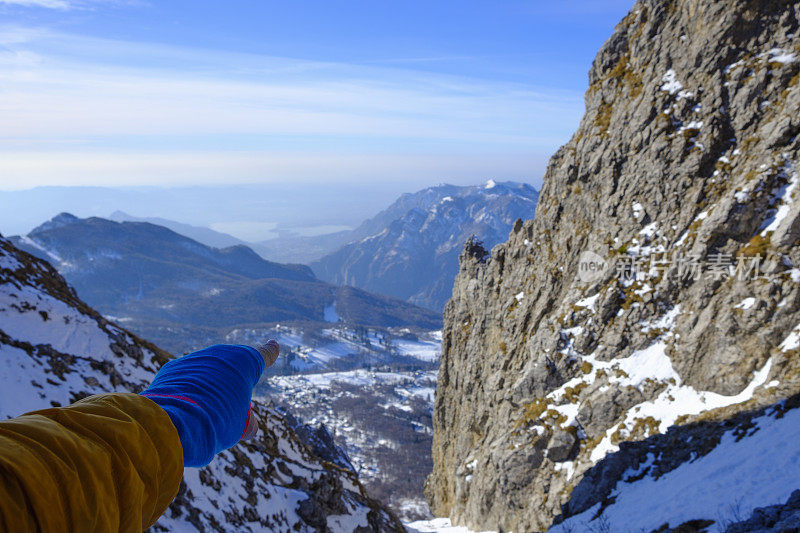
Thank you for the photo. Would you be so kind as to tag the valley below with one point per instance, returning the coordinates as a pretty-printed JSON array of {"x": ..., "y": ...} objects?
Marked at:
[
  {"x": 371, "y": 390},
  {"x": 381, "y": 419}
]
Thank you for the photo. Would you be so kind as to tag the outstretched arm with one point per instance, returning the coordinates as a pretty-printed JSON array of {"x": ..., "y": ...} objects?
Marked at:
[
  {"x": 114, "y": 462},
  {"x": 106, "y": 463}
]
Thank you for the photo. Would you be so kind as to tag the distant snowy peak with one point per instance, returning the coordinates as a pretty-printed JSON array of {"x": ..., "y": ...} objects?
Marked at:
[
  {"x": 431, "y": 196},
  {"x": 490, "y": 186},
  {"x": 410, "y": 250}
]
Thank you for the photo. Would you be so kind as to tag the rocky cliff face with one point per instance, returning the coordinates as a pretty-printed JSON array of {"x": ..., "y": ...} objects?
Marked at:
[
  {"x": 681, "y": 177},
  {"x": 54, "y": 350}
]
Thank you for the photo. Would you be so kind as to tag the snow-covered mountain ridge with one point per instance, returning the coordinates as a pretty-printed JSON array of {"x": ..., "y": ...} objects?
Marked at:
[
  {"x": 54, "y": 349},
  {"x": 410, "y": 250}
]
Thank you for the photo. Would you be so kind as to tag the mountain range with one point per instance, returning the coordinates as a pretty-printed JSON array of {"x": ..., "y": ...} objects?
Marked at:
[
  {"x": 91, "y": 250},
  {"x": 278, "y": 208},
  {"x": 184, "y": 294},
  {"x": 410, "y": 250}
]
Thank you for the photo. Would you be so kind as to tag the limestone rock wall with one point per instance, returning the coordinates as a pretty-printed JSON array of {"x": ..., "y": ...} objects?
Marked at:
[{"x": 686, "y": 158}]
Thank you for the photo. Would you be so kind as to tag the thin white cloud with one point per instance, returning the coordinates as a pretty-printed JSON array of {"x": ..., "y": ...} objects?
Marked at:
[
  {"x": 22, "y": 170},
  {"x": 50, "y": 4},
  {"x": 74, "y": 108},
  {"x": 66, "y": 4}
]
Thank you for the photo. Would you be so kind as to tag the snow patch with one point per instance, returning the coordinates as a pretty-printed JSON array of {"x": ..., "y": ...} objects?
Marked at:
[
  {"x": 742, "y": 196},
  {"x": 650, "y": 363},
  {"x": 792, "y": 341},
  {"x": 693, "y": 125},
  {"x": 437, "y": 525},
  {"x": 670, "y": 82},
  {"x": 737, "y": 471},
  {"x": 782, "y": 196},
  {"x": 675, "y": 401},
  {"x": 779, "y": 55},
  {"x": 330, "y": 314},
  {"x": 650, "y": 230},
  {"x": 588, "y": 302},
  {"x": 672, "y": 85}
]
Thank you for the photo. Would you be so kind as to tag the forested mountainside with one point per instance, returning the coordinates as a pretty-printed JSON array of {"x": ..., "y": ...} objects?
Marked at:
[
  {"x": 656, "y": 288},
  {"x": 410, "y": 249},
  {"x": 54, "y": 349},
  {"x": 184, "y": 295}
]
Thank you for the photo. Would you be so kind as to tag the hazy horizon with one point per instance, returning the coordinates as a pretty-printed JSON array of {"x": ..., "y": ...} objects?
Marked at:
[{"x": 248, "y": 212}]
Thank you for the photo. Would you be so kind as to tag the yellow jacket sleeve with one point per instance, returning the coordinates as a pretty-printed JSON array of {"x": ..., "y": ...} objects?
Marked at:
[{"x": 111, "y": 462}]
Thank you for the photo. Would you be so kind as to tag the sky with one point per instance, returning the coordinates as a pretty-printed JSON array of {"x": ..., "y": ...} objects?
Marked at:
[{"x": 396, "y": 95}]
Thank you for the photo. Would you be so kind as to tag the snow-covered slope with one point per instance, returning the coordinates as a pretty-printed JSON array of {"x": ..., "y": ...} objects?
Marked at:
[
  {"x": 54, "y": 349},
  {"x": 312, "y": 349},
  {"x": 709, "y": 476}
]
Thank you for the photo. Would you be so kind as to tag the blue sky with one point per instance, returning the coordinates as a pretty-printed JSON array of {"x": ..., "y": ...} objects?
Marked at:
[{"x": 404, "y": 94}]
